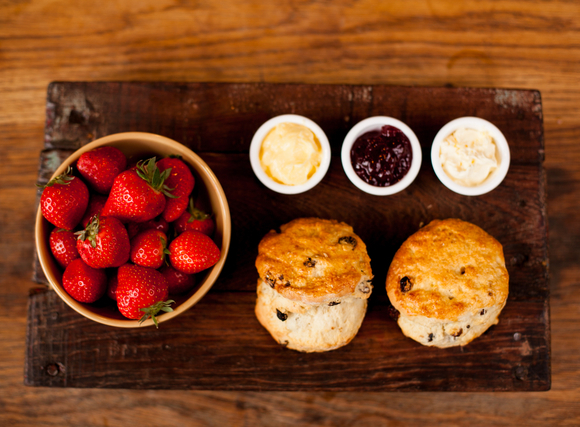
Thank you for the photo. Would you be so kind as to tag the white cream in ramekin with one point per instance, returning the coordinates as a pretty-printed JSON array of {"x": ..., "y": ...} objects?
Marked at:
[{"x": 469, "y": 167}]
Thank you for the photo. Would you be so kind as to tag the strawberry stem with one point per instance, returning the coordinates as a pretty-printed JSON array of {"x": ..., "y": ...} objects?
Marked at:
[
  {"x": 150, "y": 173},
  {"x": 196, "y": 213},
  {"x": 63, "y": 179},
  {"x": 90, "y": 232},
  {"x": 151, "y": 312},
  {"x": 165, "y": 249}
]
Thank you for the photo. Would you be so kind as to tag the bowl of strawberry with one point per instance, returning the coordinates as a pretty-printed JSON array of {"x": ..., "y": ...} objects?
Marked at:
[{"x": 132, "y": 229}]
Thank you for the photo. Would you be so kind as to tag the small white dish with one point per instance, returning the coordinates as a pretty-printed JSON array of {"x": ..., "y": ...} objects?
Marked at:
[
  {"x": 256, "y": 144},
  {"x": 502, "y": 153},
  {"x": 372, "y": 124}
]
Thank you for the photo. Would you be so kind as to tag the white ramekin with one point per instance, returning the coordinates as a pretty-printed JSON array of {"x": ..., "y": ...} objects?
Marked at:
[
  {"x": 372, "y": 124},
  {"x": 257, "y": 143},
  {"x": 502, "y": 150}
]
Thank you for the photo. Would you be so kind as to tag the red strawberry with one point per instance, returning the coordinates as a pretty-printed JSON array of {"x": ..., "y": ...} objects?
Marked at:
[
  {"x": 104, "y": 243},
  {"x": 196, "y": 220},
  {"x": 148, "y": 248},
  {"x": 177, "y": 282},
  {"x": 63, "y": 244},
  {"x": 141, "y": 293},
  {"x": 138, "y": 194},
  {"x": 157, "y": 224},
  {"x": 95, "y": 207},
  {"x": 133, "y": 229},
  {"x": 84, "y": 283},
  {"x": 100, "y": 167},
  {"x": 181, "y": 181},
  {"x": 112, "y": 285},
  {"x": 64, "y": 200},
  {"x": 192, "y": 252}
]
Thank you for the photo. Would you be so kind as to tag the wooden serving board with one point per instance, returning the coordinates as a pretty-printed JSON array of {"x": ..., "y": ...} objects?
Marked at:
[{"x": 219, "y": 344}]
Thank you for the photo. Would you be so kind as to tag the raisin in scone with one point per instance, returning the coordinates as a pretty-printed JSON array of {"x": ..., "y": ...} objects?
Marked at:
[
  {"x": 315, "y": 279},
  {"x": 449, "y": 283}
]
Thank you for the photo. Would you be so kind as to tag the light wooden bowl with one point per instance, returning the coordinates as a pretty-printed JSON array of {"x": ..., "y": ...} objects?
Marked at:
[{"x": 209, "y": 195}]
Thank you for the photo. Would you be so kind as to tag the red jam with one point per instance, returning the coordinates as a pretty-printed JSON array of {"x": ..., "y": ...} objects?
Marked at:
[{"x": 382, "y": 158}]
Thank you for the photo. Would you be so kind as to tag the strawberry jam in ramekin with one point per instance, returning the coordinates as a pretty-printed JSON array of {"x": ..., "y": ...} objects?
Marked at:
[{"x": 382, "y": 157}]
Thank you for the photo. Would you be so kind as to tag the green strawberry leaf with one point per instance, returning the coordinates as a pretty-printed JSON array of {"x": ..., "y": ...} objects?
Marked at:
[
  {"x": 90, "y": 232},
  {"x": 196, "y": 213},
  {"x": 152, "y": 311},
  {"x": 63, "y": 179},
  {"x": 150, "y": 173}
]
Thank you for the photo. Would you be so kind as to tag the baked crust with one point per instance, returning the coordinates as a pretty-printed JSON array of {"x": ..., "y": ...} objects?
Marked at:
[
  {"x": 449, "y": 283},
  {"x": 315, "y": 261}
]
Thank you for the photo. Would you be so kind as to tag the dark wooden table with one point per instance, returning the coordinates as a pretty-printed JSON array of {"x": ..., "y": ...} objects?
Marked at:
[
  {"x": 502, "y": 44},
  {"x": 219, "y": 344}
]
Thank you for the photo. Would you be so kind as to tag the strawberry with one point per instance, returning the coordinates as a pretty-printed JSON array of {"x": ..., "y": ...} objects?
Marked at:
[
  {"x": 196, "y": 220},
  {"x": 133, "y": 229},
  {"x": 148, "y": 248},
  {"x": 177, "y": 282},
  {"x": 182, "y": 182},
  {"x": 104, "y": 243},
  {"x": 112, "y": 285},
  {"x": 192, "y": 252},
  {"x": 138, "y": 194},
  {"x": 63, "y": 245},
  {"x": 100, "y": 167},
  {"x": 64, "y": 200},
  {"x": 157, "y": 224},
  {"x": 95, "y": 207},
  {"x": 84, "y": 283},
  {"x": 141, "y": 292}
]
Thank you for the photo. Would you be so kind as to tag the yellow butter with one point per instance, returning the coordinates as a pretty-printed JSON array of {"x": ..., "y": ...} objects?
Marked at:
[{"x": 290, "y": 154}]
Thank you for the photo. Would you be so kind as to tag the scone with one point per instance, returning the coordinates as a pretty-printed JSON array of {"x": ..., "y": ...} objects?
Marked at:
[
  {"x": 315, "y": 279},
  {"x": 449, "y": 283}
]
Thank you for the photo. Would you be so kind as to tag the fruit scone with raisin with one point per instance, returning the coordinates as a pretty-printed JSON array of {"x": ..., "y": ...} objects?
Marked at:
[
  {"x": 315, "y": 279},
  {"x": 449, "y": 283}
]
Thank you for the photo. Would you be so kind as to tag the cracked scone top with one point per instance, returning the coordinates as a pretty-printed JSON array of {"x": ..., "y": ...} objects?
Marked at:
[
  {"x": 315, "y": 261},
  {"x": 449, "y": 283}
]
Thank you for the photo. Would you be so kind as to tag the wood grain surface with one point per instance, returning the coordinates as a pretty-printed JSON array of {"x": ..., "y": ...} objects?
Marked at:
[
  {"x": 230, "y": 349},
  {"x": 502, "y": 44}
]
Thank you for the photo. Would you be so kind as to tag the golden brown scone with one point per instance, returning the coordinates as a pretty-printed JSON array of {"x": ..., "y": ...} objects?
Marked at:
[
  {"x": 449, "y": 283},
  {"x": 315, "y": 261},
  {"x": 315, "y": 279}
]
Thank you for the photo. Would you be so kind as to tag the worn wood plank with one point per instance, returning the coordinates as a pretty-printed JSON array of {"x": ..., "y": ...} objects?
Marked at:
[
  {"x": 514, "y": 213},
  {"x": 222, "y": 117},
  {"x": 229, "y": 350}
]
